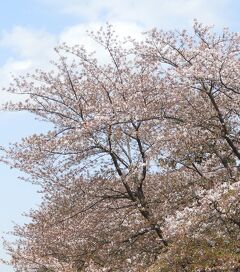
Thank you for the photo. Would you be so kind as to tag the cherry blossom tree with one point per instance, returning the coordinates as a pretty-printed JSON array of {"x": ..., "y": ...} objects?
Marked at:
[{"x": 142, "y": 161}]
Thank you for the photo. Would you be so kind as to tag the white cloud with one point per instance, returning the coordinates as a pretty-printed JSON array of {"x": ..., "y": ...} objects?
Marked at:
[
  {"x": 160, "y": 13},
  {"x": 34, "y": 48},
  {"x": 10, "y": 69},
  {"x": 78, "y": 35},
  {"x": 27, "y": 42},
  {"x": 14, "y": 67}
]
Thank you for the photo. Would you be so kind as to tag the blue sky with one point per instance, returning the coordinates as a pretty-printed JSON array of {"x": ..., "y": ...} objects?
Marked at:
[{"x": 29, "y": 29}]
